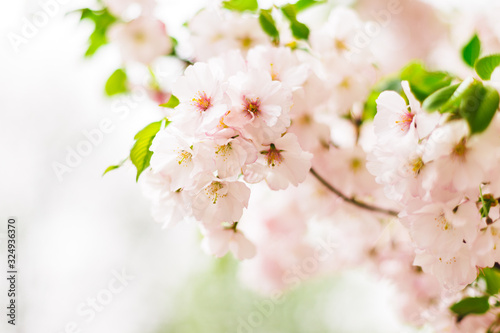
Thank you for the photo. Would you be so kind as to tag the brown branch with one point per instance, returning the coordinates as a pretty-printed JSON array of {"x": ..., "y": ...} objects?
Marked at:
[{"x": 352, "y": 200}]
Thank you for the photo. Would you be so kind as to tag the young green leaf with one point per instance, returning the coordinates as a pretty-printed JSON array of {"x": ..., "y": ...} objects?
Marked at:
[
  {"x": 299, "y": 30},
  {"x": 102, "y": 19},
  {"x": 470, "y": 305},
  {"x": 267, "y": 23},
  {"x": 423, "y": 82},
  {"x": 439, "y": 98},
  {"x": 117, "y": 83},
  {"x": 241, "y": 5},
  {"x": 471, "y": 51},
  {"x": 113, "y": 167},
  {"x": 478, "y": 106},
  {"x": 492, "y": 277},
  {"x": 172, "y": 102},
  {"x": 486, "y": 65},
  {"x": 140, "y": 155},
  {"x": 304, "y": 4}
]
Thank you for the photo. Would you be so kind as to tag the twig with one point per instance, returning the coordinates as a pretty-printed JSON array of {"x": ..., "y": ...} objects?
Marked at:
[{"x": 352, "y": 200}]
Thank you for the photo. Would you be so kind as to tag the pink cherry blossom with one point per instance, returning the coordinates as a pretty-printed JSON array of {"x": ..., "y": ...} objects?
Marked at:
[
  {"x": 220, "y": 201},
  {"x": 280, "y": 163},
  {"x": 143, "y": 39}
]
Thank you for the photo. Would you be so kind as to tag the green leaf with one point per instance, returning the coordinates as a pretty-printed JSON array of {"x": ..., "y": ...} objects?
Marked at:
[
  {"x": 140, "y": 155},
  {"x": 486, "y": 65},
  {"x": 471, "y": 305},
  {"x": 299, "y": 30},
  {"x": 172, "y": 102},
  {"x": 423, "y": 82},
  {"x": 113, "y": 167},
  {"x": 117, "y": 83},
  {"x": 304, "y": 4},
  {"x": 102, "y": 19},
  {"x": 267, "y": 23},
  {"x": 478, "y": 106},
  {"x": 439, "y": 98},
  {"x": 492, "y": 278},
  {"x": 241, "y": 5},
  {"x": 471, "y": 51}
]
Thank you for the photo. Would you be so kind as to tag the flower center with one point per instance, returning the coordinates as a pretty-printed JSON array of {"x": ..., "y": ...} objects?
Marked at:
[
  {"x": 345, "y": 83},
  {"x": 139, "y": 37},
  {"x": 340, "y": 45},
  {"x": 212, "y": 191},
  {"x": 405, "y": 120},
  {"x": 252, "y": 106},
  {"x": 273, "y": 156},
  {"x": 274, "y": 74},
  {"x": 416, "y": 165},
  {"x": 224, "y": 150},
  {"x": 442, "y": 222},
  {"x": 460, "y": 149},
  {"x": 184, "y": 157},
  {"x": 356, "y": 164},
  {"x": 246, "y": 42},
  {"x": 202, "y": 102}
]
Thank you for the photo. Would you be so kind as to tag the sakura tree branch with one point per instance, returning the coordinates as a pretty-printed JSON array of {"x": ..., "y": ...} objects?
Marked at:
[{"x": 352, "y": 200}]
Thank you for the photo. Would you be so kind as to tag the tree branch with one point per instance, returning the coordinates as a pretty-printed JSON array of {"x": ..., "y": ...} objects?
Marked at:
[{"x": 352, "y": 200}]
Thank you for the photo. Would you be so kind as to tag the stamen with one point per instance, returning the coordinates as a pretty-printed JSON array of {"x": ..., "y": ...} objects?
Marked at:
[
  {"x": 252, "y": 107},
  {"x": 273, "y": 156},
  {"x": 184, "y": 157},
  {"x": 212, "y": 191},
  {"x": 405, "y": 120},
  {"x": 202, "y": 102}
]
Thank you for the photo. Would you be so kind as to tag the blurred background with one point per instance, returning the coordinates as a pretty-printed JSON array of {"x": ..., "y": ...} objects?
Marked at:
[{"x": 90, "y": 257}]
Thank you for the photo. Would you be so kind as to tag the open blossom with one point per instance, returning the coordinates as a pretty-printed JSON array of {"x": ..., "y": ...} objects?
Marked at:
[
  {"x": 230, "y": 155},
  {"x": 337, "y": 37},
  {"x": 394, "y": 119},
  {"x": 216, "y": 31},
  {"x": 401, "y": 172},
  {"x": 487, "y": 246},
  {"x": 218, "y": 240},
  {"x": 143, "y": 39},
  {"x": 168, "y": 207},
  {"x": 312, "y": 132},
  {"x": 461, "y": 161},
  {"x": 280, "y": 163},
  {"x": 444, "y": 234},
  {"x": 202, "y": 101},
  {"x": 259, "y": 106},
  {"x": 220, "y": 201},
  {"x": 281, "y": 63},
  {"x": 345, "y": 168},
  {"x": 173, "y": 156},
  {"x": 454, "y": 271},
  {"x": 442, "y": 227}
]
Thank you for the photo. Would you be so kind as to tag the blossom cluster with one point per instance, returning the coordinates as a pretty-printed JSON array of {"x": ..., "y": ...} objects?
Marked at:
[
  {"x": 438, "y": 172},
  {"x": 308, "y": 151},
  {"x": 229, "y": 130}
]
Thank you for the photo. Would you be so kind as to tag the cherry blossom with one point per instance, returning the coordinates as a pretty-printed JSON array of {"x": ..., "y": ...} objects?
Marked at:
[{"x": 142, "y": 39}]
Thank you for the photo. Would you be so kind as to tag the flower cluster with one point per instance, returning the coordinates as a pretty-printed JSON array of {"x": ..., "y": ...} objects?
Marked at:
[
  {"x": 438, "y": 171},
  {"x": 308, "y": 150},
  {"x": 228, "y": 130}
]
